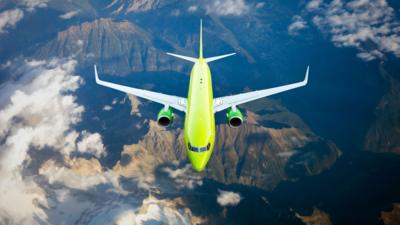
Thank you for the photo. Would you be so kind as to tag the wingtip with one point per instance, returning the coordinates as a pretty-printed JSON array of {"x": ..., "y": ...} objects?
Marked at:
[
  {"x": 307, "y": 73},
  {"x": 95, "y": 73}
]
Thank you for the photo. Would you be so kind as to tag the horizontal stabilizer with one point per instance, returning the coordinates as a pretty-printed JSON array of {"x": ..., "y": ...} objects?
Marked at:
[
  {"x": 187, "y": 58},
  {"x": 218, "y": 57}
]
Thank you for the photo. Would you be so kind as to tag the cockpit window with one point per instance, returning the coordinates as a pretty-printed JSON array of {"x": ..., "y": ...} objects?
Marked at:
[{"x": 202, "y": 149}]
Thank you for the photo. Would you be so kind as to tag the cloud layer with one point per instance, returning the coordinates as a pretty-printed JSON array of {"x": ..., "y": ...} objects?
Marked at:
[
  {"x": 369, "y": 26},
  {"x": 38, "y": 111}
]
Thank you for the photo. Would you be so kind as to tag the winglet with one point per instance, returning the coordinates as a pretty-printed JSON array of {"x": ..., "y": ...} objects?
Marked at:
[
  {"x": 305, "y": 81},
  {"x": 96, "y": 75}
]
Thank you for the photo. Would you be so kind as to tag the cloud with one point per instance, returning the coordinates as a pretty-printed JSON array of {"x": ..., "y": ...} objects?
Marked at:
[
  {"x": 192, "y": 8},
  {"x": 228, "y": 198},
  {"x": 114, "y": 101},
  {"x": 33, "y": 4},
  {"x": 36, "y": 111},
  {"x": 260, "y": 5},
  {"x": 107, "y": 108},
  {"x": 38, "y": 117},
  {"x": 126, "y": 218},
  {"x": 313, "y": 5},
  {"x": 369, "y": 26},
  {"x": 91, "y": 144},
  {"x": 79, "y": 174},
  {"x": 298, "y": 23},
  {"x": 69, "y": 15},
  {"x": 227, "y": 7},
  {"x": 184, "y": 177},
  {"x": 9, "y": 18}
]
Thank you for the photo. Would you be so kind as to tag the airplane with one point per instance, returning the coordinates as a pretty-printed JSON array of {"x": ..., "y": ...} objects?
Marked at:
[{"x": 200, "y": 105}]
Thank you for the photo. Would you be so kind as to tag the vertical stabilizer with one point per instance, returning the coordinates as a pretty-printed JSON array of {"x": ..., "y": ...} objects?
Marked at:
[{"x": 201, "y": 40}]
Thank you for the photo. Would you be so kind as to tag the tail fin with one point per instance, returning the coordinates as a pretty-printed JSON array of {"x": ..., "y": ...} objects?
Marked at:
[
  {"x": 201, "y": 40},
  {"x": 194, "y": 60}
]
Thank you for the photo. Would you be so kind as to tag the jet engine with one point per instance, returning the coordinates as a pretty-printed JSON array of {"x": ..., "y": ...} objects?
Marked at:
[
  {"x": 165, "y": 117},
  {"x": 234, "y": 117}
]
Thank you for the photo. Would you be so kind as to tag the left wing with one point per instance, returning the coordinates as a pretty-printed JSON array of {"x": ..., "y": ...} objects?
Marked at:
[
  {"x": 167, "y": 100},
  {"x": 234, "y": 100}
]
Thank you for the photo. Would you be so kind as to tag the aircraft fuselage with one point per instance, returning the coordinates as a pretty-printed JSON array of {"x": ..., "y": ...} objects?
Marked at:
[{"x": 199, "y": 130}]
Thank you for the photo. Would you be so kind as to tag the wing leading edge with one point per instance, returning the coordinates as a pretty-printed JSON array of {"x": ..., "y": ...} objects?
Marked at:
[
  {"x": 175, "y": 102},
  {"x": 222, "y": 103}
]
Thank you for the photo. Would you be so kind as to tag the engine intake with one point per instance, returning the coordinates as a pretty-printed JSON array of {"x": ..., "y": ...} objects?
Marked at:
[
  {"x": 234, "y": 117},
  {"x": 165, "y": 117}
]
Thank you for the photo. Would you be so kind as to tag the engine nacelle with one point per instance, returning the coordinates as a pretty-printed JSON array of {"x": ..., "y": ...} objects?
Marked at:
[
  {"x": 165, "y": 117},
  {"x": 234, "y": 117}
]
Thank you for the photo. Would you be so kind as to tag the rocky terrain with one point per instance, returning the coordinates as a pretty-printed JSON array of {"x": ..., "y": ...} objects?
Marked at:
[
  {"x": 317, "y": 217},
  {"x": 392, "y": 217},
  {"x": 120, "y": 47},
  {"x": 384, "y": 133},
  {"x": 126, "y": 6},
  {"x": 263, "y": 152}
]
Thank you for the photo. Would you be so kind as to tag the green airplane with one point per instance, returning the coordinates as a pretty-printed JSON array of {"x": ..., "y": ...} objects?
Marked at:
[{"x": 200, "y": 105}]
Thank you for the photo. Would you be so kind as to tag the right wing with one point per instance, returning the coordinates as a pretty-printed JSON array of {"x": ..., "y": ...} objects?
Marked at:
[
  {"x": 175, "y": 102},
  {"x": 234, "y": 100}
]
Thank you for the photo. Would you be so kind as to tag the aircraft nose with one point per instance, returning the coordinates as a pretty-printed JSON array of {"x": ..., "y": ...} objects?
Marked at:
[
  {"x": 199, "y": 160},
  {"x": 198, "y": 166}
]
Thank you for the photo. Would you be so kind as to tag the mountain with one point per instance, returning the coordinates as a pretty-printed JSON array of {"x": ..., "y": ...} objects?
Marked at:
[
  {"x": 126, "y": 6},
  {"x": 120, "y": 47},
  {"x": 317, "y": 217},
  {"x": 392, "y": 217},
  {"x": 384, "y": 133},
  {"x": 263, "y": 152}
]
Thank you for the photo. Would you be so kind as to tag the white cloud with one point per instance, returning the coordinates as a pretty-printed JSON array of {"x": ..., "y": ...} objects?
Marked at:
[
  {"x": 9, "y": 18},
  {"x": 163, "y": 211},
  {"x": 298, "y": 23},
  {"x": 79, "y": 174},
  {"x": 369, "y": 26},
  {"x": 126, "y": 218},
  {"x": 91, "y": 144},
  {"x": 228, "y": 198},
  {"x": 260, "y": 5},
  {"x": 114, "y": 101},
  {"x": 227, "y": 7},
  {"x": 184, "y": 177},
  {"x": 107, "y": 108},
  {"x": 192, "y": 8},
  {"x": 32, "y": 4},
  {"x": 69, "y": 15},
  {"x": 38, "y": 111},
  {"x": 19, "y": 200},
  {"x": 313, "y": 5}
]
